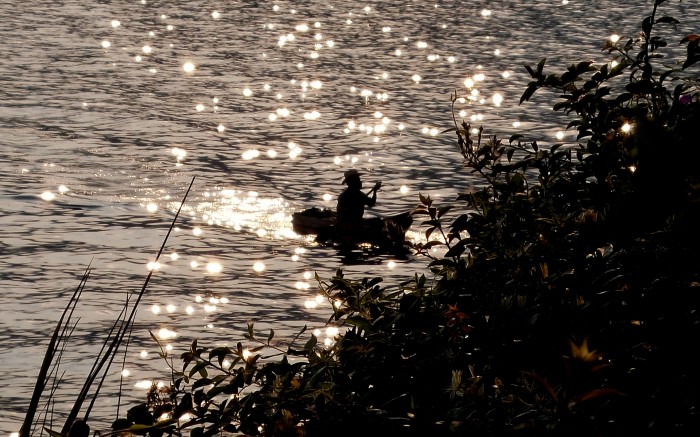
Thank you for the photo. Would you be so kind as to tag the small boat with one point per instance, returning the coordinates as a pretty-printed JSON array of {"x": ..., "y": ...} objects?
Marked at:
[{"x": 384, "y": 233}]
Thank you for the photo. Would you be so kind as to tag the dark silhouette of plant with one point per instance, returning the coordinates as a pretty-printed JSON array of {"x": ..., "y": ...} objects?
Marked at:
[{"x": 75, "y": 426}]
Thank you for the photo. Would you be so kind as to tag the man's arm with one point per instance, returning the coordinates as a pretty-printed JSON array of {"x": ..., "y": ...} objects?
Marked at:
[{"x": 371, "y": 201}]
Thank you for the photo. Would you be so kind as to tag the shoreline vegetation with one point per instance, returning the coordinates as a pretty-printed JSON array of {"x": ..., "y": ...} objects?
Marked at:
[{"x": 565, "y": 302}]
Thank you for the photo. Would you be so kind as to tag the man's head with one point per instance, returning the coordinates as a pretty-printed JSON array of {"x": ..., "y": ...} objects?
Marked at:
[{"x": 352, "y": 178}]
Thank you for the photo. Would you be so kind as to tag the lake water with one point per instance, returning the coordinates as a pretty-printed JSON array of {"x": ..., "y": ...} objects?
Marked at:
[{"x": 108, "y": 109}]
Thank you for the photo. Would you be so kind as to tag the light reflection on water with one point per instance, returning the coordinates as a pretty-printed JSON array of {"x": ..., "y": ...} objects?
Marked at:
[{"x": 110, "y": 108}]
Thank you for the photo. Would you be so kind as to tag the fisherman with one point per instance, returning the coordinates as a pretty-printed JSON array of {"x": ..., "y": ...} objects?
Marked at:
[{"x": 352, "y": 201}]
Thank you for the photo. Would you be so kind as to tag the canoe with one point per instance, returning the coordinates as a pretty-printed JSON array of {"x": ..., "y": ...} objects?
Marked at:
[{"x": 379, "y": 232}]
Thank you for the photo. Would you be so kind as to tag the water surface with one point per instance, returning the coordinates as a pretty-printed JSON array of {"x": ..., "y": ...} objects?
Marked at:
[{"x": 109, "y": 108}]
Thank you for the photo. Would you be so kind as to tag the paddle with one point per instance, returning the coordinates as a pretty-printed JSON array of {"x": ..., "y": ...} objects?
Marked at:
[{"x": 376, "y": 187}]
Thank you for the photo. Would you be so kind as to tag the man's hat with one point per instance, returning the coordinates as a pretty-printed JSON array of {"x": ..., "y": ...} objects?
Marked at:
[{"x": 352, "y": 173}]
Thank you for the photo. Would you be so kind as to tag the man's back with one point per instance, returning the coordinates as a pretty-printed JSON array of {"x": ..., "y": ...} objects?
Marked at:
[{"x": 351, "y": 204}]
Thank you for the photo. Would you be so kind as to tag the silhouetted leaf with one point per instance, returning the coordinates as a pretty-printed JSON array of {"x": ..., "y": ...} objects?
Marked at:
[
  {"x": 528, "y": 93},
  {"x": 667, "y": 19}
]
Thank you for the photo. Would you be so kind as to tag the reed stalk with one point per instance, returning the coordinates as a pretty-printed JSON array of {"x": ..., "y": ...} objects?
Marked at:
[{"x": 119, "y": 331}]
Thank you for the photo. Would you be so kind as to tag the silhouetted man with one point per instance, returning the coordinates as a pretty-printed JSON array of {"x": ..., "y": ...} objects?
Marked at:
[{"x": 352, "y": 201}]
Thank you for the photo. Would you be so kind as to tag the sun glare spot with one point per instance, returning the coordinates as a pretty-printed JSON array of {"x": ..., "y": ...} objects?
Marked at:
[
  {"x": 216, "y": 15},
  {"x": 166, "y": 334},
  {"x": 416, "y": 78},
  {"x": 259, "y": 267},
  {"x": 485, "y": 13},
  {"x": 144, "y": 385},
  {"x": 214, "y": 267},
  {"x": 188, "y": 67},
  {"x": 247, "y": 92},
  {"x": 560, "y": 135},
  {"x": 197, "y": 231},
  {"x": 155, "y": 309},
  {"x": 151, "y": 266},
  {"x": 313, "y": 115},
  {"x": 626, "y": 128},
  {"x": 614, "y": 38},
  {"x": 151, "y": 207},
  {"x": 497, "y": 99},
  {"x": 250, "y": 154}
]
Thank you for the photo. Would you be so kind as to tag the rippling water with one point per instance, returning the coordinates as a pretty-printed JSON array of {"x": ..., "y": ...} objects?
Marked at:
[{"x": 109, "y": 108}]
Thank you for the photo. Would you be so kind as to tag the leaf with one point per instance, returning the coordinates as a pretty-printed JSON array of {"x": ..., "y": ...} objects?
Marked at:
[
  {"x": 53, "y": 433},
  {"x": 529, "y": 70},
  {"x": 270, "y": 336},
  {"x": 528, "y": 93},
  {"x": 667, "y": 19},
  {"x": 200, "y": 367},
  {"x": 573, "y": 123},
  {"x": 201, "y": 383},
  {"x": 690, "y": 61},
  {"x": 443, "y": 210},
  {"x": 141, "y": 429},
  {"x": 690, "y": 38},
  {"x": 540, "y": 66},
  {"x": 425, "y": 200},
  {"x": 420, "y": 211},
  {"x": 561, "y": 105},
  {"x": 360, "y": 322},
  {"x": 220, "y": 353},
  {"x": 431, "y": 244},
  {"x": 309, "y": 346},
  {"x": 515, "y": 137}
]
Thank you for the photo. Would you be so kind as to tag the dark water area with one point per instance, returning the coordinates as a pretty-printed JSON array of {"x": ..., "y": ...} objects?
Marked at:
[{"x": 103, "y": 126}]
